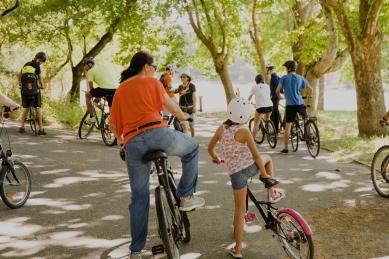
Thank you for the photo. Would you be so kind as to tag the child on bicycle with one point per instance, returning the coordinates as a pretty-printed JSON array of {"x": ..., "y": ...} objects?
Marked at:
[
  {"x": 243, "y": 161},
  {"x": 263, "y": 103}
]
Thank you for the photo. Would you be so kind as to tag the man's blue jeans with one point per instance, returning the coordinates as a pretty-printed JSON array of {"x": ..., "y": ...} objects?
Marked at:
[{"x": 174, "y": 143}]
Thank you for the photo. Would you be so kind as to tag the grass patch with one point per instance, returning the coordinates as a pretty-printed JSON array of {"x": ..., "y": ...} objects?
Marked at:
[
  {"x": 63, "y": 112},
  {"x": 339, "y": 133}
]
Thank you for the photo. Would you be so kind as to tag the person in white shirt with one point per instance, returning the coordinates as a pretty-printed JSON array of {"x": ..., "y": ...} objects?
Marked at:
[{"x": 263, "y": 103}]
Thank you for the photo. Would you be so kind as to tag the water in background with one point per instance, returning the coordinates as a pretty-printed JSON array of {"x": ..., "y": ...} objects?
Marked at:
[{"x": 214, "y": 98}]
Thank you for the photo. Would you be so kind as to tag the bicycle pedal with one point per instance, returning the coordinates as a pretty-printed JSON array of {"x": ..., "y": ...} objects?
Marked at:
[{"x": 157, "y": 249}]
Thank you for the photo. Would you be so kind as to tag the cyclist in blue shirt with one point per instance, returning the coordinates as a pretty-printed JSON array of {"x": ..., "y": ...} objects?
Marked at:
[{"x": 292, "y": 84}]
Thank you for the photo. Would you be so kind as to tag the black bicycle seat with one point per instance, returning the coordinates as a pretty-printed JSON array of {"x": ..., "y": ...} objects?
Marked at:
[{"x": 153, "y": 155}]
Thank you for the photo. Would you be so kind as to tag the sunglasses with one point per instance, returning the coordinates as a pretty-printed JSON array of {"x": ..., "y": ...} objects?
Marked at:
[{"x": 154, "y": 66}]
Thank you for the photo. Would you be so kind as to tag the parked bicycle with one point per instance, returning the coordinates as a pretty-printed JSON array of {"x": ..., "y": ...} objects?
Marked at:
[
  {"x": 15, "y": 178},
  {"x": 291, "y": 229},
  {"x": 173, "y": 224},
  {"x": 305, "y": 130},
  {"x": 266, "y": 128},
  {"x": 100, "y": 113}
]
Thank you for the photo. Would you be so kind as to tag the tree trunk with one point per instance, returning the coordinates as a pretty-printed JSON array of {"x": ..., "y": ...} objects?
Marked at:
[
  {"x": 370, "y": 93},
  {"x": 222, "y": 70},
  {"x": 76, "y": 79},
  {"x": 322, "y": 81},
  {"x": 313, "y": 102}
]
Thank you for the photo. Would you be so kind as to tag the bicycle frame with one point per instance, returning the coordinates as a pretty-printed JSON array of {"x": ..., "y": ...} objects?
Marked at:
[
  {"x": 162, "y": 173},
  {"x": 266, "y": 218}
]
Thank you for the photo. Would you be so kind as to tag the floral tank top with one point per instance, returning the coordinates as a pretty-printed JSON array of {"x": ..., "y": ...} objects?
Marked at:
[{"x": 237, "y": 156}]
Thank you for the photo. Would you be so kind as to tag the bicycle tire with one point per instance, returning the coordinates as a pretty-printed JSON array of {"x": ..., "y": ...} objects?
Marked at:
[
  {"x": 185, "y": 224},
  {"x": 294, "y": 234},
  {"x": 32, "y": 120},
  {"x": 260, "y": 136},
  {"x": 165, "y": 232},
  {"x": 271, "y": 134},
  {"x": 8, "y": 178},
  {"x": 380, "y": 171},
  {"x": 294, "y": 136},
  {"x": 85, "y": 129},
  {"x": 106, "y": 133},
  {"x": 312, "y": 138}
]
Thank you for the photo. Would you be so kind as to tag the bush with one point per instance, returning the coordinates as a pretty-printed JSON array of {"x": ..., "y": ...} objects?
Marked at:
[{"x": 63, "y": 112}]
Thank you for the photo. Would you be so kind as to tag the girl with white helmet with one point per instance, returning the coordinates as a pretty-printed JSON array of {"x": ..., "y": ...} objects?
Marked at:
[{"x": 243, "y": 162}]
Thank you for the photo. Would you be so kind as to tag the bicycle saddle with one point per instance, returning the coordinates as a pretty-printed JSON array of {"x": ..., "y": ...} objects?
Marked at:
[{"x": 153, "y": 155}]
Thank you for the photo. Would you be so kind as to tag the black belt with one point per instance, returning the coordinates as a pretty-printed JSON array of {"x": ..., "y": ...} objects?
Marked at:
[{"x": 143, "y": 126}]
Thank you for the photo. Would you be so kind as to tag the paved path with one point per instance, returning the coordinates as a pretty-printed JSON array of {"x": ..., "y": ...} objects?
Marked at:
[{"x": 78, "y": 206}]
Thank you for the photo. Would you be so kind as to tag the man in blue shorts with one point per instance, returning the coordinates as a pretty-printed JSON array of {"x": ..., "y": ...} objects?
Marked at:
[{"x": 292, "y": 84}]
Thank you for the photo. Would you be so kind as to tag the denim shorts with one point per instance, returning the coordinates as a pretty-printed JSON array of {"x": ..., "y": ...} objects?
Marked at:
[{"x": 239, "y": 179}]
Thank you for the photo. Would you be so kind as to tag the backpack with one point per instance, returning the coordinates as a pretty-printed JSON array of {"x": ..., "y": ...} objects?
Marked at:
[{"x": 29, "y": 81}]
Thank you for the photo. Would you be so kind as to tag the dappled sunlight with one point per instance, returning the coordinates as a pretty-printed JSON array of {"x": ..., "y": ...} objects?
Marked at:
[
  {"x": 202, "y": 192},
  {"x": 320, "y": 187},
  {"x": 328, "y": 175},
  {"x": 210, "y": 207},
  {"x": 112, "y": 217},
  {"x": 209, "y": 182},
  {"x": 60, "y": 182},
  {"x": 55, "y": 171},
  {"x": 252, "y": 228},
  {"x": 190, "y": 256},
  {"x": 57, "y": 203},
  {"x": 18, "y": 228}
]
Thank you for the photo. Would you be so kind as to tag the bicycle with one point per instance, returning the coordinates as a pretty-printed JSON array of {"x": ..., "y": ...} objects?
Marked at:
[
  {"x": 305, "y": 130},
  {"x": 32, "y": 119},
  {"x": 266, "y": 128},
  {"x": 15, "y": 178},
  {"x": 290, "y": 228},
  {"x": 173, "y": 224},
  {"x": 101, "y": 123}
]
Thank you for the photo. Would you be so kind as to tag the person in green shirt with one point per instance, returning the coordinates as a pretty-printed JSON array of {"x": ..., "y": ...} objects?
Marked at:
[{"x": 98, "y": 75}]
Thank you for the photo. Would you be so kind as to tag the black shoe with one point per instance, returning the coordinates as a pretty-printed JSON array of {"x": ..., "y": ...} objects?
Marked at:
[
  {"x": 22, "y": 130},
  {"x": 284, "y": 151},
  {"x": 269, "y": 182},
  {"x": 42, "y": 132}
]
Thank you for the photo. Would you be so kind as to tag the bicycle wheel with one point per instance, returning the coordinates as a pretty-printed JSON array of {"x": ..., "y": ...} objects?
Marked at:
[
  {"x": 184, "y": 220},
  {"x": 165, "y": 226},
  {"x": 294, "y": 136},
  {"x": 85, "y": 128},
  {"x": 15, "y": 184},
  {"x": 294, "y": 234},
  {"x": 312, "y": 138},
  {"x": 380, "y": 171},
  {"x": 271, "y": 134},
  {"x": 260, "y": 136},
  {"x": 106, "y": 133},
  {"x": 32, "y": 120}
]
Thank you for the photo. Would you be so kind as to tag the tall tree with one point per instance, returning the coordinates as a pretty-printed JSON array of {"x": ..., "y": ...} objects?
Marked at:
[
  {"x": 257, "y": 41},
  {"x": 216, "y": 25},
  {"x": 364, "y": 42}
]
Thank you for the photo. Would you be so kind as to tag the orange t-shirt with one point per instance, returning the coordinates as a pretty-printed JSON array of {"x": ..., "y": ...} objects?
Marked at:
[
  {"x": 167, "y": 80},
  {"x": 136, "y": 102}
]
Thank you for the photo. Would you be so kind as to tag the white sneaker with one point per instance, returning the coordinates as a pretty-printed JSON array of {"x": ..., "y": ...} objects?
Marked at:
[
  {"x": 90, "y": 120},
  {"x": 191, "y": 202}
]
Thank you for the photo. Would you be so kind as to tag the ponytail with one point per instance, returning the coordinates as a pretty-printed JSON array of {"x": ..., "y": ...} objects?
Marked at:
[
  {"x": 137, "y": 63},
  {"x": 129, "y": 72}
]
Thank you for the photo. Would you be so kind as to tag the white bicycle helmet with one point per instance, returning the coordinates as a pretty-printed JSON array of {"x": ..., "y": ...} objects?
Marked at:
[{"x": 239, "y": 110}]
